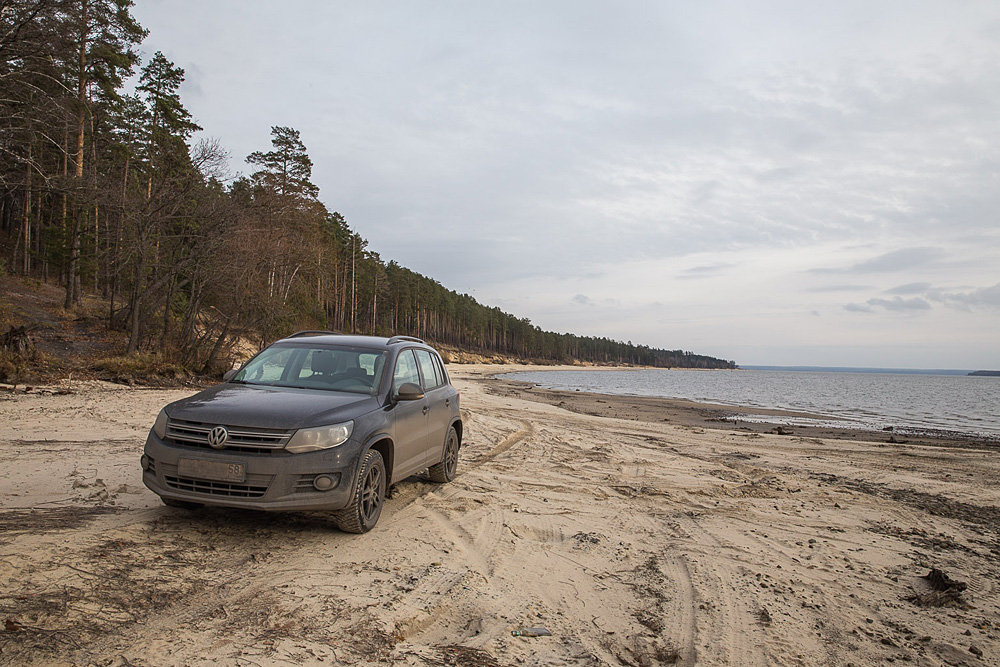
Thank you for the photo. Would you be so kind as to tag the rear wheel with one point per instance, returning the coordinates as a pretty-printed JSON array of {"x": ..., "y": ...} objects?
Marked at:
[
  {"x": 445, "y": 470},
  {"x": 369, "y": 496}
]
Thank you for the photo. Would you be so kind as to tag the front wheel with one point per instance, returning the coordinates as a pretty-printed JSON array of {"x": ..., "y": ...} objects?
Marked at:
[
  {"x": 369, "y": 495},
  {"x": 445, "y": 470}
]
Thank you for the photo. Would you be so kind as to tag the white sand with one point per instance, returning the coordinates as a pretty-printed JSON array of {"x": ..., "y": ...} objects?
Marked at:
[{"x": 634, "y": 543}]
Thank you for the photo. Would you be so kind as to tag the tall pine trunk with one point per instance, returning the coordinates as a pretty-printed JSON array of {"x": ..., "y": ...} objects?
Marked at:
[
  {"x": 135, "y": 314},
  {"x": 26, "y": 266},
  {"x": 73, "y": 296}
]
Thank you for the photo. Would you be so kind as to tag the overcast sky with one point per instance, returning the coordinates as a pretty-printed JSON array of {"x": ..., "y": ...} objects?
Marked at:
[{"x": 791, "y": 183}]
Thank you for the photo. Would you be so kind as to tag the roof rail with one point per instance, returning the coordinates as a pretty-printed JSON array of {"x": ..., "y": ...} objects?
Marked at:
[
  {"x": 400, "y": 339},
  {"x": 317, "y": 332}
]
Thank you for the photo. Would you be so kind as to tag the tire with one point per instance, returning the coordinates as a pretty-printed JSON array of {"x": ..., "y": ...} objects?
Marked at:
[
  {"x": 182, "y": 504},
  {"x": 445, "y": 470},
  {"x": 369, "y": 496}
]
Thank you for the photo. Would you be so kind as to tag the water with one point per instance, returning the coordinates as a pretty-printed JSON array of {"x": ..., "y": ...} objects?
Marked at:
[{"x": 909, "y": 402}]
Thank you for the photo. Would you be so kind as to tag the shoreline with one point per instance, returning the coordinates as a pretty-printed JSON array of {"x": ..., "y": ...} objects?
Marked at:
[{"x": 693, "y": 414}]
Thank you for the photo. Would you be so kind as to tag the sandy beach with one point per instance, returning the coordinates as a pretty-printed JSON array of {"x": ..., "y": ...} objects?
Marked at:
[{"x": 633, "y": 536}]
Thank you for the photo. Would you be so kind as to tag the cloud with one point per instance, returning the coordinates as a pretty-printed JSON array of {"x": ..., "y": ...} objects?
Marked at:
[
  {"x": 839, "y": 288},
  {"x": 988, "y": 297},
  {"x": 896, "y": 305},
  {"x": 778, "y": 174},
  {"x": 704, "y": 271},
  {"x": 582, "y": 300},
  {"x": 891, "y": 262},
  {"x": 901, "y": 305},
  {"x": 899, "y": 260},
  {"x": 910, "y": 288},
  {"x": 982, "y": 298}
]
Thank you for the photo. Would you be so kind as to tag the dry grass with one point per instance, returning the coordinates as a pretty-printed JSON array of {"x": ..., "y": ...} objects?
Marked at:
[{"x": 141, "y": 365}]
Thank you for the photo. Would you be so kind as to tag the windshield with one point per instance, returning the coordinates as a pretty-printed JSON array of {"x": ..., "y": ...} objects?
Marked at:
[{"x": 353, "y": 370}]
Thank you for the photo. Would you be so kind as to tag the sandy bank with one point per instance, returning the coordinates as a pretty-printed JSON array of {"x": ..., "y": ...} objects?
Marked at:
[{"x": 635, "y": 541}]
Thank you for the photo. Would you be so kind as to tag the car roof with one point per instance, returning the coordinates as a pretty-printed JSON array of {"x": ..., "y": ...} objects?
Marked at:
[{"x": 331, "y": 338}]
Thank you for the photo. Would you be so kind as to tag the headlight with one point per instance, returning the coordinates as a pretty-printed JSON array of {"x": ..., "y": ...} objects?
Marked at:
[
  {"x": 322, "y": 437},
  {"x": 160, "y": 425}
]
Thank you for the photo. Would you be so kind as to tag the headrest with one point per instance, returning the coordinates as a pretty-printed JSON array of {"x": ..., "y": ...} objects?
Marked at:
[{"x": 323, "y": 361}]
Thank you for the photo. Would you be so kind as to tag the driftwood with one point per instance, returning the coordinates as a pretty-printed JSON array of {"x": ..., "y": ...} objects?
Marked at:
[
  {"x": 940, "y": 581},
  {"x": 947, "y": 592}
]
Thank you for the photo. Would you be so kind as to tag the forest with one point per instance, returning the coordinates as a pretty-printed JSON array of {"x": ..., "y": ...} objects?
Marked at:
[{"x": 105, "y": 191}]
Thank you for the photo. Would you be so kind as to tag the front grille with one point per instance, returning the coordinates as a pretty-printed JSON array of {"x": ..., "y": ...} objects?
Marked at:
[
  {"x": 216, "y": 488},
  {"x": 254, "y": 487},
  {"x": 251, "y": 440}
]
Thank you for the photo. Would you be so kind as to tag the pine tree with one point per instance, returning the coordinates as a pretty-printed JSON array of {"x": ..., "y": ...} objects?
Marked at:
[
  {"x": 157, "y": 267},
  {"x": 287, "y": 169},
  {"x": 101, "y": 35},
  {"x": 171, "y": 125}
]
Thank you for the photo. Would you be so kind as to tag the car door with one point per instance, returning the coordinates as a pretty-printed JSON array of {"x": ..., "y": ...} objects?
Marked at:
[
  {"x": 439, "y": 398},
  {"x": 409, "y": 420}
]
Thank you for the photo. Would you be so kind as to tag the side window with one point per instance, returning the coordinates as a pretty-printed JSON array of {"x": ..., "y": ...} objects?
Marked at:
[
  {"x": 427, "y": 369},
  {"x": 439, "y": 370},
  {"x": 406, "y": 369}
]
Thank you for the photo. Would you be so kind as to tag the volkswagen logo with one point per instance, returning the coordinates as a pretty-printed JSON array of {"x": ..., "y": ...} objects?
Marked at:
[{"x": 217, "y": 437}]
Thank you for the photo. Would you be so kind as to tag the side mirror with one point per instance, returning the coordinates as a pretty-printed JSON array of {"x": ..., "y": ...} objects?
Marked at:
[
  {"x": 230, "y": 375},
  {"x": 409, "y": 392}
]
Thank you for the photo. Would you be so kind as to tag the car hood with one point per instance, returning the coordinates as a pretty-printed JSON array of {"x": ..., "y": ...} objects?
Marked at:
[{"x": 270, "y": 407}]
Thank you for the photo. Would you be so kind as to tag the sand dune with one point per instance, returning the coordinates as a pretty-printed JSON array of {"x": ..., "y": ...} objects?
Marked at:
[{"x": 633, "y": 542}]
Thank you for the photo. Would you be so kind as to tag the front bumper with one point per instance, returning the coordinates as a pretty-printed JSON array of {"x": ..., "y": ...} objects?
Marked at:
[{"x": 272, "y": 481}]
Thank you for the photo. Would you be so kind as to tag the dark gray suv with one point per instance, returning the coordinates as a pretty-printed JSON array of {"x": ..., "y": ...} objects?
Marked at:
[{"x": 316, "y": 421}]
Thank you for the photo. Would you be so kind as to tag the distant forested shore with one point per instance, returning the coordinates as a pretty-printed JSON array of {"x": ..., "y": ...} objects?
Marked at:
[{"x": 103, "y": 192}]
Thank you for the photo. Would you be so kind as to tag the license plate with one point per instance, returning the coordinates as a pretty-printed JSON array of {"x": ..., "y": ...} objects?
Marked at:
[{"x": 217, "y": 471}]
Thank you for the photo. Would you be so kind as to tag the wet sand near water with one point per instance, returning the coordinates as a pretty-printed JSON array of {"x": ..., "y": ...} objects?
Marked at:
[{"x": 683, "y": 412}]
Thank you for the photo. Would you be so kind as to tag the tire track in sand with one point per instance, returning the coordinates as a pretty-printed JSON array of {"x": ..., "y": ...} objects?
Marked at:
[
  {"x": 428, "y": 614},
  {"x": 725, "y": 634},
  {"x": 526, "y": 431},
  {"x": 413, "y": 502},
  {"x": 683, "y": 628}
]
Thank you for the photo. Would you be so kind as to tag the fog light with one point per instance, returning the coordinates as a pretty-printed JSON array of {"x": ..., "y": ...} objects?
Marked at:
[
  {"x": 144, "y": 462},
  {"x": 324, "y": 482}
]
